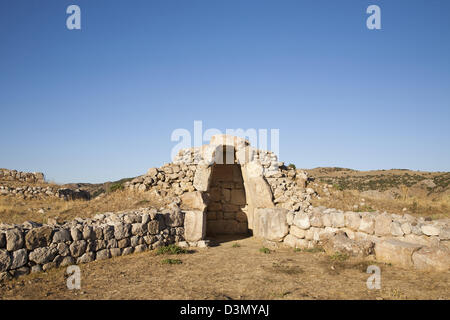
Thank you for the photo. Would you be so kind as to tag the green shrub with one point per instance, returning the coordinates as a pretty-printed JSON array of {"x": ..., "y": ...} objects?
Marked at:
[
  {"x": 171, "y": 249},
  {"x": 264, "y": 250},
  {"x": 292, "y": 166}
]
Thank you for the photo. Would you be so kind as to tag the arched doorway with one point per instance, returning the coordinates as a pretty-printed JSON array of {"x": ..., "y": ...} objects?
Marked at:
[{"x": 225, "y": 213}]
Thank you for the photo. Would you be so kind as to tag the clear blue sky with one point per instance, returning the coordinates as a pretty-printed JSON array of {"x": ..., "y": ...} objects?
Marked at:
[{"x": 101, "y": 103}]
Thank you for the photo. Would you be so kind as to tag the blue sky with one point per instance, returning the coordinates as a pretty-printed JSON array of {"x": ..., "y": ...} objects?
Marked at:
[{"x": 100, "y": 103}]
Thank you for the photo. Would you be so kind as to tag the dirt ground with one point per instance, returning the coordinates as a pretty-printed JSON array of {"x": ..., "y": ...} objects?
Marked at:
[{"x": 234, "y": 269}]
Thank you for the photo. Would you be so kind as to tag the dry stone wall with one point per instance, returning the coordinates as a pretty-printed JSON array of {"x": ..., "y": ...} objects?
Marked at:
[
  {"x": 14, "y": 175},
  {"x": 32, "y": 247},
  {"x": 399, "y": 239},
  {"x": 38, "y": 192}
]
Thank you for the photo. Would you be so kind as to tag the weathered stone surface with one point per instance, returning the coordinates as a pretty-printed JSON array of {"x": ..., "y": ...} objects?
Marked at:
[
  {"x": 5, "y": 260},
  {"x": 108, "y": 232},
  {"x": 63, "y": 249},
  {"x": 67, "y": 261},
  {"x": 14, "y": 239},
  {"x": 297, "y": 232},
  {"x": 301, "y": 220},
  {"x": 88, "y": 233},
  {"x": 38, "y": 237},
  {"x": 87, "y": 257},
  {"x": 76, "y": 234},
  {"x": 194, "y": 201},
  {"x": 396, "y": 252},
  {"x": 43, "y": 255},
  {"x": 194, "y": 225},
  {"x": 432, "y": 259},
  {"x": 19, "y": 258},
  {"x": 339, "y": 242},
  {"x": 396, "y": 229},
  {"x": 122, "y": 231},
  {"x": 383, "y": 225},
  {"x": 271, "y": 224},
  {"x": 430, "y": 230},
  {"x": 61, "y": 235},
  {"x": 2, "y": 240},
  {"x": 295, "y": 242},
  {"x": 115, "y": 252},
  {"x": 174, "y": 219},
  {"x": 337, "y": 219},
  {"x": 103, "y": 254},
  {"x": 138, "y": 229},
  {"x": 202, "y": 177},
  {"x": 316, "y": 220},
  {"x": 127, "y": 251},
  {"x": 352, "y": 220},
  {"x": 78, "y": 248}
]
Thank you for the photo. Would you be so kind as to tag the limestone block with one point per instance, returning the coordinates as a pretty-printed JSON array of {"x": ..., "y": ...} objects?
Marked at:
[
  {"x": 271, "y": 223},
  {"x": 432, "y": 259},
  {"x": 196, "y": 201},
  {"x": 194, "y": 225},
  {"x": 396, "y": 252}
]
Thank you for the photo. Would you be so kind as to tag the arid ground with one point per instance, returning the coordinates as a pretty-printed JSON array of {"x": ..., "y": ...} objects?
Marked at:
[{"x": 235, "y": 269}]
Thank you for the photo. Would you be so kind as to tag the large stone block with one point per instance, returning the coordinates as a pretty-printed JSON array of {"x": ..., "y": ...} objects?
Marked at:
[
  {"x": 339, "y": 242},
  {"x": 19, "y": 258},
  {"x": 195, "y": 201},
  {"x": 383, "y": 225},
  {"x": 396, "y": 252},
  {"x": 294, "y": 242},
  {"x": 38, "y": 237},
  {"x": 5, "y": 260},
  {"x": 432, "y": 259},
  {"x": 194, "y": 225},
  {"x": 302, "y": 221},
  {"x": 43, "y": 255},
  {"x": 271, "y": 223},
  {"x": 352, "y": 220},
  {"x": 202, "y": 177},
  {"x": 14, "y": 239}
]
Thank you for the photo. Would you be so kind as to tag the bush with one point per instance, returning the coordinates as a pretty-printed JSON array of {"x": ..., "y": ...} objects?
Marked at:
[
  {"x": 264, "y": 250},
  {"x": 292, "y": 166},
  {"x": 171, "y": 249}
]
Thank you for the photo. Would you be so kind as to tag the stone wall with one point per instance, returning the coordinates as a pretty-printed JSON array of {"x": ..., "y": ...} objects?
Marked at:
[
  {"x": 225, "y": 211},
  {"x": 32, "y": 247},
  {"x": 399, "y": 239},
  {"x": 14, "y": 175},
  {"x": 38, "y": 192}
]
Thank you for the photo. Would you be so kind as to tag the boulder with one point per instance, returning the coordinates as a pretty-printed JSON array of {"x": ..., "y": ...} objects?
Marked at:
[
  {"x": 339, "y": 242},
  {"x": 194, "y": 225},
  {"x": 430, "y": 230},
  {"x": 202, "y": 177},
  {"x": 5, "y": 260},
  {"x": 352, "y": 220},
  {"x": 61, "y": 235},
  {"x": 295, "y": 242},
  {"x": 122, "y": 231},
  {"x": 432, "y": 259},
  {"x": 14, "y": 239},
  {"x": 19, "y": 258},
  {"x": 396, "y": 252},
  {"x": 196, "y": 201},
  {"x": 383, "y": 225},
  {"x": 38, "y": 237},
  {"x": 78, "y": 248},
  {"x": 337, "y": 219},
  {"x": 301, "y": 220},
  {"x": 43, "y": 255},
  {"x": 271, "y": 223}
]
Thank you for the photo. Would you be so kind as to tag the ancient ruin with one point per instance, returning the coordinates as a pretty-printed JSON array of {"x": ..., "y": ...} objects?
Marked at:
[{"x": 226, "y": 187}]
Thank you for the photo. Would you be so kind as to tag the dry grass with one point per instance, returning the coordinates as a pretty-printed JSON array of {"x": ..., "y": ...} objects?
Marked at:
[
  {"x": 14, "y": 209},
  {"x": 224, "y": 272},
  {"x": 346, "y": 200}
]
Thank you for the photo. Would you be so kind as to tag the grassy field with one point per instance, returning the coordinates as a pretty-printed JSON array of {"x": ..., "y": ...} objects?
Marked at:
[
  {"x": 397, "y": 191},
  {"x": 236, "y": 269}
]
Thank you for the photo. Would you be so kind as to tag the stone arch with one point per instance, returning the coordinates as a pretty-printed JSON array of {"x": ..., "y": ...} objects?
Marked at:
[{"x": 257, "y": 191}]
